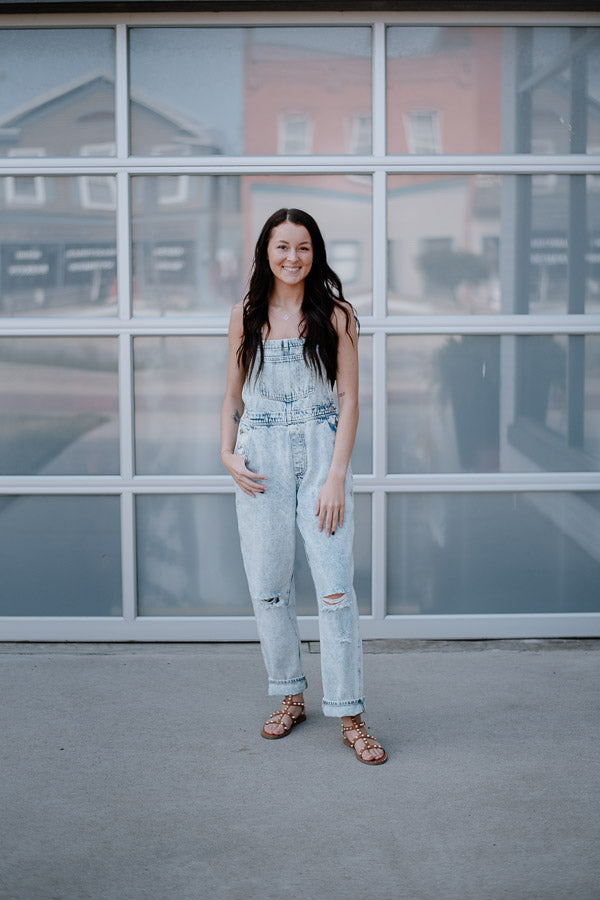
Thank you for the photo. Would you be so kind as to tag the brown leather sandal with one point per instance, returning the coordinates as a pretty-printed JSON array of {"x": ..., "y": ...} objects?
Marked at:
[
  {"x": 276, "y": 718},
  {"x": 369, "y": 741}
]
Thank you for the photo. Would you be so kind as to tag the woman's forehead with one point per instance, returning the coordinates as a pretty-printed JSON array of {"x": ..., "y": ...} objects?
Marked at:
[{"x": 290, "y": 232}]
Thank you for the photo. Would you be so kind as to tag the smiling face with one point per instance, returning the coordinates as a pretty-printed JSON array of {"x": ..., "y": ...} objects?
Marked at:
[{"x": 290, "y": 253}]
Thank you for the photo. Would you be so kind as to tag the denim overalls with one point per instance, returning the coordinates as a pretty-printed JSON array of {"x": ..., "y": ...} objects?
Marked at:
[{"x": 287, "y": 432}]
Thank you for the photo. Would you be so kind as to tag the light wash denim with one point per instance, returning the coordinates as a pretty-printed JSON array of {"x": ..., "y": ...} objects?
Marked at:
[{"x": 287, "y": 432}]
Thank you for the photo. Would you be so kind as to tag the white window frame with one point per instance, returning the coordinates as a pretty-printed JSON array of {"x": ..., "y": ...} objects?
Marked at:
[{"x": 378, "y": 326}]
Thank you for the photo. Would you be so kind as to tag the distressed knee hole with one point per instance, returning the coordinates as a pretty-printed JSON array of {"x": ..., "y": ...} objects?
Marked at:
[
  {"x": 333, "y": 599},
  {"x": 270, "y": 601}
]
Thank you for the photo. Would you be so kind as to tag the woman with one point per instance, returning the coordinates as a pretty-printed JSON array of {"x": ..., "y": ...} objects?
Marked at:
[{"x": 288, "y": 451}]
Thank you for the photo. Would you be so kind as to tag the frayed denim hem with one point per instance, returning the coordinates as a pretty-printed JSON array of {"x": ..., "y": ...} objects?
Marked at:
[
  {"x": 343, "y": 708},
  {"x": 293, "y": 686}
]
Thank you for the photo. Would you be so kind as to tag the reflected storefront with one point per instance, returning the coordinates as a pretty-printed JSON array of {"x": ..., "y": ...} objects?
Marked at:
[{"x": 461, "y": 210}]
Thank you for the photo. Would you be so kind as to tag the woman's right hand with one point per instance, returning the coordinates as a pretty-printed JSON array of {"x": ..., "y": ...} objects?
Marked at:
[{"x": 249, "y": 482}]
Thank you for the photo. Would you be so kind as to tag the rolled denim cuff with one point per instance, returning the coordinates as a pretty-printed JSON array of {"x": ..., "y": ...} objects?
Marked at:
[
  {"x": 343, "y": 707},
  {"x": 292, "y": 686}
]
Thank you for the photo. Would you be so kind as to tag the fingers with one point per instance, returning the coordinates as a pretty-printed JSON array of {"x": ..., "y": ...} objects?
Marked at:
[{"x": 330, "y": 517}]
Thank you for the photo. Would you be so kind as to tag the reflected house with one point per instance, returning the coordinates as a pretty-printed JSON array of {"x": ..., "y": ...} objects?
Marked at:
[
  {"x": 321, "y": 107},
  {"x": 59, "y": 233}
]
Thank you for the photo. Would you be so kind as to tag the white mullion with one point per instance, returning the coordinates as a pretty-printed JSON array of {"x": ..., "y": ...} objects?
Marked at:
[
  {"x": 379, "y": 406},
  {"x": 378, "y": 554},
  {"x": 122, "y": 92},
  {"x": 498, "y": 164},
  {"x": 123, "y": 248},
  {"x": 128, "y": 556},
  {"x": 126, "y": 413},
  {"x": 379, "y": 89},
  {"x": 379, "y": 253}
]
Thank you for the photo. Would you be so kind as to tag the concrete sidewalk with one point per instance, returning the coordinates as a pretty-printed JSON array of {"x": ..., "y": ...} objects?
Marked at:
[{"x": 137, "y": 772}]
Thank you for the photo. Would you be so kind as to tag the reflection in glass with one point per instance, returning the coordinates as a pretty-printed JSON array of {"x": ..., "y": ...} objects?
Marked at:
[
  {"x": 179, "y": 387},
  {"x": 453, "y": 554},
  {"x": 57, "y": 246},
  {"x": 189, "y": 561},
  {"x": 194, "y": 238},
  {"x": 488, "y": 404},
  {"x": 60, "y": 556},
  {"x": 476, "y": 89},
  {"x": 59, "y": 401},
  {"x": 236, "y": 91},
  {"x": 489, "y": 244},
  {"x": 56, "y": 91}
]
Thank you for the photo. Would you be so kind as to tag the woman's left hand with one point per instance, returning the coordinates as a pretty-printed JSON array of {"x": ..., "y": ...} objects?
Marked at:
[{"x": 330, "y": 505}]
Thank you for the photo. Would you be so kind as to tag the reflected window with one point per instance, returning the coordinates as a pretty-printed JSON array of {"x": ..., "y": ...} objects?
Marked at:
[
  {"x": 344, "y": 259},
  {"x": 98, "y": 191},
  {"x": 423, "y": 132},
  {"x": 59, "y": 258},
  {"x": 25, "y": 189},
  {"x": 295, "y": 134},
  {"x": 360, "y": 136}
]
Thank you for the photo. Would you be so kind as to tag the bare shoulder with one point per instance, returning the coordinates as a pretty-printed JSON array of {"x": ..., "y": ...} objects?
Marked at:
[
  {"x": 344, "y": 320},
  {"x": 236, "y": 319}
]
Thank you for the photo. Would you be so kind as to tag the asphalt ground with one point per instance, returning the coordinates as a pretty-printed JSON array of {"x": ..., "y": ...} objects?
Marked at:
[{"x": 133, "y": 771}]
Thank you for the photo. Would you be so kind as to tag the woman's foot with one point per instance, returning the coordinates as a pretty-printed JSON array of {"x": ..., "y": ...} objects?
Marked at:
[
  {"x": 280, "y": 723},
  {"x": 355, "y": 735}
]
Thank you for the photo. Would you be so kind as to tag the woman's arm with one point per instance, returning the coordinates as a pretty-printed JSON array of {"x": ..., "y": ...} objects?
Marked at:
[
  {"x": 231, "y": 413},
  {"x": 331, "y": 499}
]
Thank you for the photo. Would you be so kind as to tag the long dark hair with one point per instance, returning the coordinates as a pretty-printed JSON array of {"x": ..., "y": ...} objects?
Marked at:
[{"x": 322, "y": 295}]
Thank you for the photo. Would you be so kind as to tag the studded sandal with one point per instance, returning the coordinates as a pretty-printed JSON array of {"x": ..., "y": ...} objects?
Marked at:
[
  {"x": 277, "y": 718},
  {"x": 369, "y": 743}
]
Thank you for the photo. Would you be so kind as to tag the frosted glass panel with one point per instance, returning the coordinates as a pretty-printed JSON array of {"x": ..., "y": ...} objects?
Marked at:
[
  {"x": 493, "y": 553},
  {"x": 179, "y": 387},
  {"x": 489, "y": 244},
  {"x": 493, "y": 90},
  {"x": 60, "y": 556},
  {"x": 57, "y": 245},
  {"x": 489, "y": 404},
  {"x": 57, "y": 92},
  {"x": 59, "y": 403},
  {"x": 189, "y": 561},
  {"x": 235, "y": 91},
  {"x": 194, "y": 235}
]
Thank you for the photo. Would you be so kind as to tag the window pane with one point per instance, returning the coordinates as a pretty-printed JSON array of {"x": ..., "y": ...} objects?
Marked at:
[
  {"x": 489, "y": 244},
  {"x": 179, "y": 388},
  {"x": 194, "y": 239},
  {"x": 57, "y": 246},
  {"x": 236, "y": 91},
  {"x": 489, "y": 404},
  {"x": 56, "y": 91},
  {"x": 59, "y": 400},
  {"x": 60, "y": 556},
  {"x": 453, "y": 554},
  {"x": 189, "y": 561},
  {"x": 474, "y": 89}
]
